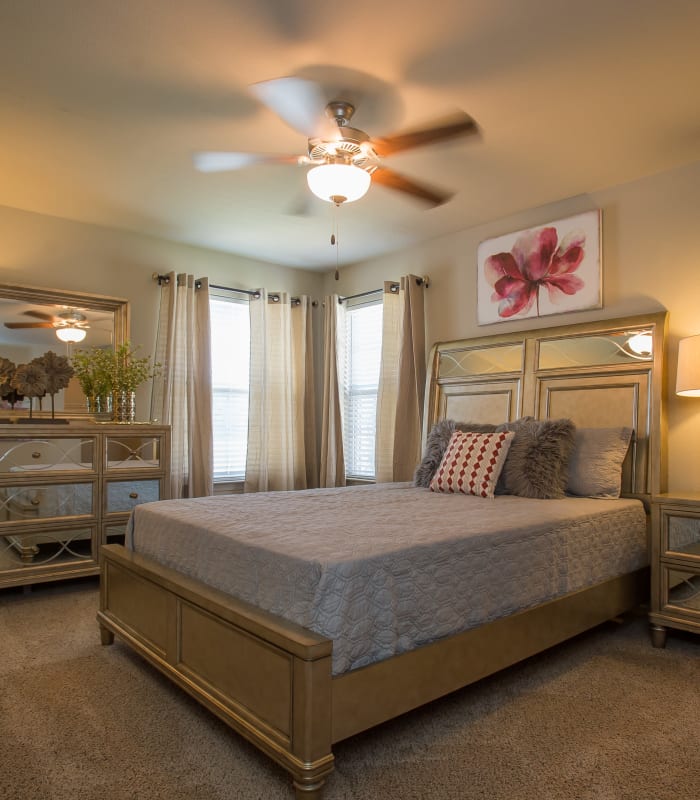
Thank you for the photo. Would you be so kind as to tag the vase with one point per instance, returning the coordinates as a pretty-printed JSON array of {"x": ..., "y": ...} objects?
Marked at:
[
  {"x": 100, "y": 405},
  {"x": 124, "y": 406}
]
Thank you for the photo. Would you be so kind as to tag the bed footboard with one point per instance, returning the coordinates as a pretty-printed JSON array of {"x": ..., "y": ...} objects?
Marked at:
[{"x": 268, "y": 679}]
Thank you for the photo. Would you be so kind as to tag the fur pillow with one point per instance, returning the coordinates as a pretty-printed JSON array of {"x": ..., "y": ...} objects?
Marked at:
[
  {"x": 537, "y": 463},
  {"x": 436, "y": 444}
]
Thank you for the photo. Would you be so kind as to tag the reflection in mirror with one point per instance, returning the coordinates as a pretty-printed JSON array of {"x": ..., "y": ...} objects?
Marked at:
[
  {"x": 609, "y": 347},
  {"x": 684, "y": 535},
  {"x": 683, "y": 589},
  {"x": 34, "y": 320},
  {"x": 481, "y": 361}
]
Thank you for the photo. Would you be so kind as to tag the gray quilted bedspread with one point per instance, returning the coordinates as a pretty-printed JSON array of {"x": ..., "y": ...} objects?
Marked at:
[{"x": 383, "y": 569}]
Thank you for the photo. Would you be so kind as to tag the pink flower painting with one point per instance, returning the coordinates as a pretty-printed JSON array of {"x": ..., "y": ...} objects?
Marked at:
[{"x": 540, "y": 271}]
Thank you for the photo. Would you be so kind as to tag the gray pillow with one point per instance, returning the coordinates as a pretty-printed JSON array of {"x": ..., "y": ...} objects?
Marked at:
[
  {"x": 595, "y": 466},
  {"x": 538, "y": 458},
  {"x": 436, "y": 444}
]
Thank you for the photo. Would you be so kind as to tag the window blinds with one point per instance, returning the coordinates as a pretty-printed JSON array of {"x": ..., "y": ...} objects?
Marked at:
[
  {"x": 363, "y": 346},
  {"x": 230, "y": 351}
]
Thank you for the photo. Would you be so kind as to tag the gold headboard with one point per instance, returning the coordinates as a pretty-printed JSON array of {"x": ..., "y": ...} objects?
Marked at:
[{"x": 590, "y": 373}]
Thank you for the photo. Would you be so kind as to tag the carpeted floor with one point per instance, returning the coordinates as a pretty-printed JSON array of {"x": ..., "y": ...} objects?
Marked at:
[{"x": 603, "y": 717}]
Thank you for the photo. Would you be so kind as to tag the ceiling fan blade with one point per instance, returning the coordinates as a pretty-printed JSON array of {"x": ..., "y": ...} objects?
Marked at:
[
  {"x": 17, "y": 325},
  {"x": 392, "y": 180},
  {"x": 299, "y": 102},
  {"x": 221, "y": 162},
  {"x": 459, "y": 124},
  {"x": 39, "y": 315}
]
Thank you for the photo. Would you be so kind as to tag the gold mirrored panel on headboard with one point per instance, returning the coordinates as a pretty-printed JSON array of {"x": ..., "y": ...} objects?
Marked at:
[
  {"x": 627, "y": 346},
  {"x": 31, "y": 315},
  {"x": 481, "y": 360}
]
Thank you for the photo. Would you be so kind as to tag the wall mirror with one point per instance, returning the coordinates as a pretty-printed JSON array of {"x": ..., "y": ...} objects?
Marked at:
[{"x": 30, "y": 317}]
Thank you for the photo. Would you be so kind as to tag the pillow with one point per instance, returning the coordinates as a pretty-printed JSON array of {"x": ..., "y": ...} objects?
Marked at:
[
  {"x": 538, "y": 457},
  {"x": 472, "y": 463},
  {"x": 595, "y": 467},
  {"x": 436, "y": 444}
]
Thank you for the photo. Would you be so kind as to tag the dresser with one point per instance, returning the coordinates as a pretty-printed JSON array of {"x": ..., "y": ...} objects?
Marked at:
[
  {"x": 65, "y": 490},
  {"x": 675, "y": 565}
]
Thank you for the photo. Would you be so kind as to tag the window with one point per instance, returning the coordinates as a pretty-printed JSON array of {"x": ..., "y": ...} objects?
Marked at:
[
  {"x": 230, "y": 366},
  {"x": 362, "y": 357}
]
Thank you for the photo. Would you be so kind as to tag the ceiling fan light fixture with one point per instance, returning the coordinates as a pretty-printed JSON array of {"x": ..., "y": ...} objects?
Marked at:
[
  {"x": 338, "y": 183},
  {"x": 71, "y": 334}
]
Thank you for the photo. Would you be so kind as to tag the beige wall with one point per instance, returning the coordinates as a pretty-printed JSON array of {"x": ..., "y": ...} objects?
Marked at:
[
  {"x": 651, "y": 261},
  {"x": 38, "y": 250}
]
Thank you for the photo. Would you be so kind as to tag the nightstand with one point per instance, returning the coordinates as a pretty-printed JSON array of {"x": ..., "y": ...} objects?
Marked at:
[{"x": 675, "y": 565}]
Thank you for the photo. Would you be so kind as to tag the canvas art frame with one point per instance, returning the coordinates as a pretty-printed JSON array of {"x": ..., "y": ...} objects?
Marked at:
[{"x": 552, "y": 268}]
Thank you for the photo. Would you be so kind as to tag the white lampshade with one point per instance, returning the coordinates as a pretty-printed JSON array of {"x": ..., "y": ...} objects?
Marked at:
[
  {"x": 70, "y": 334},
  {"x": 688, "y": 376},
  {"x": 338, "y": 183}
]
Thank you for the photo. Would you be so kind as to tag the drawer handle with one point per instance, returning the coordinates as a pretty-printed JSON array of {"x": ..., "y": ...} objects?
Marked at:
[
  {"x": 35, "y": 501},
  {"x": 133, "y": 495},
  {"x": 36, "y": 454}
]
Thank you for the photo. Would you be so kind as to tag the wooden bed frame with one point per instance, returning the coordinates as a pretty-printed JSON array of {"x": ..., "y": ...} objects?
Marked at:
[{"x": 271, "y": 680}]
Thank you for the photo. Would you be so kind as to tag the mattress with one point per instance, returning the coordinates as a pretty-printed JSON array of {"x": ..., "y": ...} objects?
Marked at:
[{"x": 383, "y": 569}]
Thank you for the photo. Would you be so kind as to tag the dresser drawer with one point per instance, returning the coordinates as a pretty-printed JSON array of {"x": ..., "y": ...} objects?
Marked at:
[
  {"x": 18, "y": 455},
  {"x": 680, "y": 533},
  {"x": 50, "y": 548},
  {"x": 680, "y": 590},
  {"x": 124, "y": 495},
  {"x": 114, "y": 533},
  {"x": 133, "y": 452},
  {"x": 20, "y": 503}
]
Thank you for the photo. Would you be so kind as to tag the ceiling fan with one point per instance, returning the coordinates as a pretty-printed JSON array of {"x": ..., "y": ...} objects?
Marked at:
[
  {"x": 344, "y": 160},
  {"x": 70, "y": 326}
]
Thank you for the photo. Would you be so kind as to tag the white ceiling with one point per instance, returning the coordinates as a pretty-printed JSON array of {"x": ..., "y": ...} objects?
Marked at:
[{"x": 102, "y": 104}]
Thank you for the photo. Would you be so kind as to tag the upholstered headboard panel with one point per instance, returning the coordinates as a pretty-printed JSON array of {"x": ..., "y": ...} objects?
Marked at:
[{"x": 594, "y": 373}]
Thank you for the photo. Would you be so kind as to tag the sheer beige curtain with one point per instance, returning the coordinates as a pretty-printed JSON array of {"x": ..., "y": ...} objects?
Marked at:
[
  {"x": 401, "y": 381},
  {"x": 332, "y": 456},
  {"x": 182, "y": 393},
  {"x": 304, "y": 394},
  {"x": 281, "y": 418}
]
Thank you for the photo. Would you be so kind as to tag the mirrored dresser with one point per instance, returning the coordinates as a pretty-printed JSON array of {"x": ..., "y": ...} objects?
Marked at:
[
  {"x": 675, "y": 565},
  {"x": 65, "y": 490}
]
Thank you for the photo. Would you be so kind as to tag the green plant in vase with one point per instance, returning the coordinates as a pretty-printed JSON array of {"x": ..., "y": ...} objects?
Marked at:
[
  {"x": 129, "y": 371},
  {"x": 94, "y": 371}
]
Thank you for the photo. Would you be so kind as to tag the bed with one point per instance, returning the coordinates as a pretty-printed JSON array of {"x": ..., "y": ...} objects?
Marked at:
[{"x": 299, "y": 632}]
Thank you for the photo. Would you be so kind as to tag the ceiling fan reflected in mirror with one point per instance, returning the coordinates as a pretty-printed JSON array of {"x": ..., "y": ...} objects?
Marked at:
[
  {"x": 344, "y": 160},
  {"x": 70, "y": 326}
]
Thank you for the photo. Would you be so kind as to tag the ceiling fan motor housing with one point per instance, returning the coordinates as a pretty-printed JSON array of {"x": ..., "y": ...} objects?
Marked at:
[{"x": 351, "y": 147}]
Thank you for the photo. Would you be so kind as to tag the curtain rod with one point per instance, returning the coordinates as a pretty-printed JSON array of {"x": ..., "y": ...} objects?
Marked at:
[
  {"x": 274, "y": 297},
  {"x": 165, "y": 279},
  {"x": 253, "y": 293},
  {"x": 424, "y": 281}
]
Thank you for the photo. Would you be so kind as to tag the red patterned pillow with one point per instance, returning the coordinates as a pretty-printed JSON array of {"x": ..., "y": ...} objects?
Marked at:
[{"x": 472, "y": 463}]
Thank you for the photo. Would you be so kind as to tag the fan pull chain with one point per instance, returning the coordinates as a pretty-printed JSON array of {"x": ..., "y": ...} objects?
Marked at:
[{"x": 335, "y": 239}]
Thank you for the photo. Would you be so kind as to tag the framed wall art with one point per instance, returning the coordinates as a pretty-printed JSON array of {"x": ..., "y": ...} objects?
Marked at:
[{"x": 547, "y": 269}]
